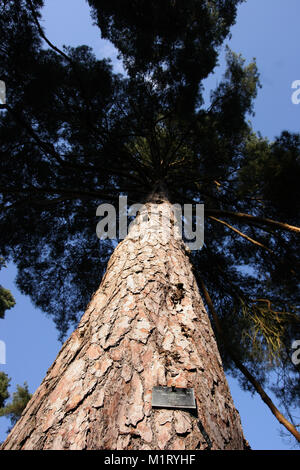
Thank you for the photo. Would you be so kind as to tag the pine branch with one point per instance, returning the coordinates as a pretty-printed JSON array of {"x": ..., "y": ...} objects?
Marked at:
[
  {"x": 49, "y": 149},
  {"x": 250, "y": 219},
  {"x": 42, "y": 34},
  {"x": 255, "y": 242},
  {"x": 278, "y": 415},
  {"x": 56, "y": 49}
]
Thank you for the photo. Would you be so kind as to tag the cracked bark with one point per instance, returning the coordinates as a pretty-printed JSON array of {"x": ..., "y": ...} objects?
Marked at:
[{"x": 145, "y": 326}]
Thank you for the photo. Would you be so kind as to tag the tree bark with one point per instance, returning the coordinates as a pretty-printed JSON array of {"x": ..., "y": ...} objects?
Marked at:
[{"x": 146, "y": 326}]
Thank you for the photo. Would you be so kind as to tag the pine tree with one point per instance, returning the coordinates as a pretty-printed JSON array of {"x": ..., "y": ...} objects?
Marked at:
[
  {"x": 20, "y": 399},
  {"x": 75, "y": 135},
  {"x": 7, "y": 300}
]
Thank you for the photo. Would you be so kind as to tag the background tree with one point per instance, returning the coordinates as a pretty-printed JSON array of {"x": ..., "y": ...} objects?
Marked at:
[
  {"x": 69, "y": 144},
  {"x": 4, "y": 384},
  {"x": 20, "y": 399},
  {"x": 6, "y": 299}
]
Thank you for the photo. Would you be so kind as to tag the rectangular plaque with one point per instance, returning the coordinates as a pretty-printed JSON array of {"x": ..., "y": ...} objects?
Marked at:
[{"x": 172, "y": 397}]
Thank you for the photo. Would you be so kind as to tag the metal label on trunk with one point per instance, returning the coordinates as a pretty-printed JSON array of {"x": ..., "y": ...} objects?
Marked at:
[{"x": 172, "y": 397}]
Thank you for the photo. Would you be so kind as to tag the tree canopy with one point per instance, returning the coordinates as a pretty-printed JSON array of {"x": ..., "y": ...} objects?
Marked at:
[{"x": 74, "y": 134}]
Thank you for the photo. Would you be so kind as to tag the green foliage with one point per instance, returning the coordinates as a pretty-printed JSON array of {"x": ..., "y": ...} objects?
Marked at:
[
  {"x": 7, "y": 301},
  {"x": 268, "y": 328},
  {"x": 271, "y": 173}
]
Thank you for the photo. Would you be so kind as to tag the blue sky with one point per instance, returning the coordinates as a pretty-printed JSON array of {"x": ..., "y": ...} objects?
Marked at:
[{"x": 267, "y": 30}]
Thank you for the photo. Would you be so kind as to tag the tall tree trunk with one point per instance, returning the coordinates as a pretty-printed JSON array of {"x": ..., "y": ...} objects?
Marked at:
[{"x": 146, "y": 326}]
